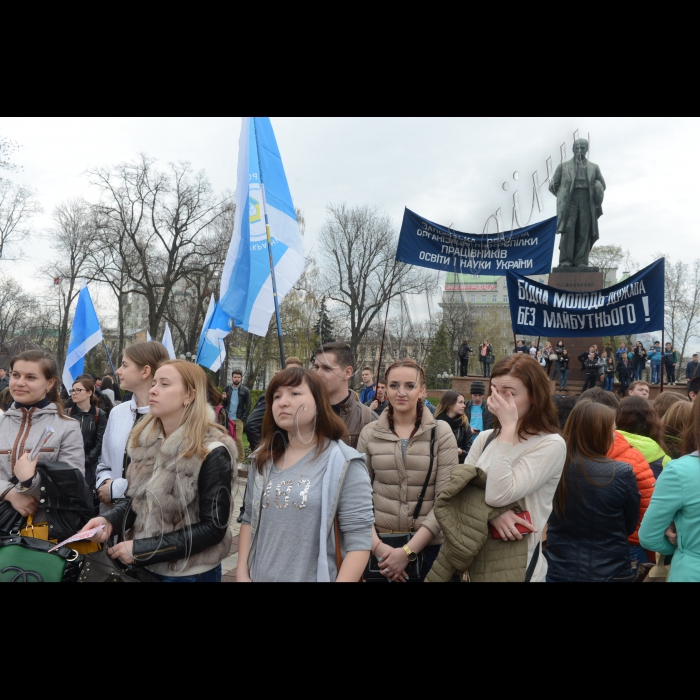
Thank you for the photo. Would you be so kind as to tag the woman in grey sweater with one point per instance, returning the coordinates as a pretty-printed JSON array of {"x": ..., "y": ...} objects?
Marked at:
[{"x": 307, "y": 492}]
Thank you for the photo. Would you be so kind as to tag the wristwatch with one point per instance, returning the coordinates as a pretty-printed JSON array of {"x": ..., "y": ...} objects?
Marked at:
[{"x": 412, "y": 556}]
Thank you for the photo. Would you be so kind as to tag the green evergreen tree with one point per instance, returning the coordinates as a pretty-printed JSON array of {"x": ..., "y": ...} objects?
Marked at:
[{"x": 440, "y": 359}]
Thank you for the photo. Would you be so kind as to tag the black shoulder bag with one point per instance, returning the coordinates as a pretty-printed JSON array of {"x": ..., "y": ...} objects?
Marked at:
[{"x": 417, "y": 569}]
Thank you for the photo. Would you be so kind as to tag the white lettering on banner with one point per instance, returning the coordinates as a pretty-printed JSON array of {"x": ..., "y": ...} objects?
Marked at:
[
  {"x": 475, "y": 264},
  {"x": 565, "y": 300},
  {"x": 631, "y": 290},
  {"x": 435, "y": 259},
  {"x": 535, "y": 295},
  {"x": 526, "y": 316},
  {"x": 515, "y": 265},
  {"x": 625, "y": 315}
]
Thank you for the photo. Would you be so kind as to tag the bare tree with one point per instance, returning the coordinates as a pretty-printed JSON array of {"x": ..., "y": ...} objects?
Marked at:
[
  {"x": 73, "y": 239},
  {"x": 358, "y": 249},
  {"x": 15, "y": 306},
  {"x": 162, "y": 220},
  {"x": 682, "y": 304},
  {"x": 7, "y": 148},
  {"x": 17, "y": 207},
  {"x": 612, "y": 257}
]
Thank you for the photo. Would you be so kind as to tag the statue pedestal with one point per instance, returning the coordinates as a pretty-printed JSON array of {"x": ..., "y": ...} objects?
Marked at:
[{"x": 577, "y": 280}]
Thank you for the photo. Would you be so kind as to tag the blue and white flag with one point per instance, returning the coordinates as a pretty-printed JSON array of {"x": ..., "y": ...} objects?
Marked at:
[
  {"x": 168, "y": 342},
  {"x": 85, "y": 335},
  {"x": 217, "y": 326},
  {"x": 246, "y": 285}
]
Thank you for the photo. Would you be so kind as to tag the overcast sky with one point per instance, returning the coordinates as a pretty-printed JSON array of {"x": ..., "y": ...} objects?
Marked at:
[{"x": 449, "y": 169}]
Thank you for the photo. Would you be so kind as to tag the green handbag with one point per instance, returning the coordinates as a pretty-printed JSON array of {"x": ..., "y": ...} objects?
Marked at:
[{"x": 26, "y": 560}]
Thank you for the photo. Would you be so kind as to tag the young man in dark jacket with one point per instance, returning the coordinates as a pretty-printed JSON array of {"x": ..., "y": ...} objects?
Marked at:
[
  {"x": 671, "y": 362},
  {"x": 691, "y": 371},
  {"x": 4, "y": 381},
  {"x": 592, "y": 367},
  {"x": 236, "y": 402},
  {"x": 480, "y": 418},
  {"x": 335, "y": 364}
]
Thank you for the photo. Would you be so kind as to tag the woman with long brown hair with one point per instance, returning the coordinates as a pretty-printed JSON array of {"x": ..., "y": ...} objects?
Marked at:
[
  {"x": 93, "y": 423},
  {"x": 676, "y": 502},
  {"x": 597, "y": 505},
  {"x": 676, "y": 423},
  {"x": 452, "y": 410},
  {"x": 175, "y": 516},
  {"x": 640, "y": 425},
  {"x": 308, "y": 511},
  {"x": 524, "y": 457},
  {"x": 409, "y": 457},
  {"x": 49, "y": 495}
]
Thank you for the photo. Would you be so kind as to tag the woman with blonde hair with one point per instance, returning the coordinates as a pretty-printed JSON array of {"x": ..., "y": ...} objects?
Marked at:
[
  {"x": 676, "y": 422},
  {"x": 452, "y": 410},
  {"x": 175, "y": 516}
]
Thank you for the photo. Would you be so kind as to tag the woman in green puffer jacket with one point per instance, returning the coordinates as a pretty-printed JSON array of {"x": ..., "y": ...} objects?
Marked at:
[{"x": 641, "y": 427}]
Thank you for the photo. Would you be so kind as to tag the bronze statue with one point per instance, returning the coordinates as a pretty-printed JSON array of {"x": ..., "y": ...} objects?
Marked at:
[{"x": 579, "y": 188}]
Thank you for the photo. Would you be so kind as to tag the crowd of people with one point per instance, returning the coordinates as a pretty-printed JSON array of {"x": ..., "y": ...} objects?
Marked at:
[{"x": 506, "y": 484}]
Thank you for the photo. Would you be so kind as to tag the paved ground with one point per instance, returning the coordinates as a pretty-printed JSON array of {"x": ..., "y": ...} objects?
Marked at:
[{"x": 230, "y": 565}]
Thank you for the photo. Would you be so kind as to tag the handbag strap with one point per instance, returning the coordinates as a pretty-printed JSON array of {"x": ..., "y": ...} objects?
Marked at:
[
  {"x": 419, "y": 507},
  {"x": 533, "y": 564}
]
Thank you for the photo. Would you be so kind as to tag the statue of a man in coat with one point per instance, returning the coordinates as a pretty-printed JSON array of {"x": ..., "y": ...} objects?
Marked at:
[{"x": 580, "y": 189}]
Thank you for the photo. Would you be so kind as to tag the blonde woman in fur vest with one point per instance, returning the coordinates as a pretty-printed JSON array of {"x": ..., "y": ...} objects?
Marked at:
[{"x": 177, "y": 510}]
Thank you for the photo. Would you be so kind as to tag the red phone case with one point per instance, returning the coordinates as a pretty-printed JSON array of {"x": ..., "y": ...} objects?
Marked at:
[{"x": 520, "y": 528}]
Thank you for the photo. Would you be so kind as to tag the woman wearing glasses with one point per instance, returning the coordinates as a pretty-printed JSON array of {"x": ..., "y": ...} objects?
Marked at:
[{"x": 93, "y": 423}]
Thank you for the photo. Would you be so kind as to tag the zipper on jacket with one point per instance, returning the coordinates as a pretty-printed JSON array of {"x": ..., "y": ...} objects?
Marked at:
[{"x": 158, "y": 551}]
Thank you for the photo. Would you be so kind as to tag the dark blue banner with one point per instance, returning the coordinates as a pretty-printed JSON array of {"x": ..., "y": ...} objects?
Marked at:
[
  {"x": 427, "y": 244},
  {"x": 632, "y": 307}
]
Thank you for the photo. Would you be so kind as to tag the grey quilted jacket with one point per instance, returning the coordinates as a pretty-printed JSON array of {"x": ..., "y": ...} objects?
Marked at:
[{"x": 464, "y": 517}]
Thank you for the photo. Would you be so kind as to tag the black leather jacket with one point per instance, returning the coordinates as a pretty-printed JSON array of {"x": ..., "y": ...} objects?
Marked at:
[
  {"x": 589, "y": 543},
  {"x": 65, "y": 499},
  {"x": 93, "y": 431},
  {"x": 253, "y": 426},
  {"x": 215, "y": 507},
  {"x": 243, "y": 402}
]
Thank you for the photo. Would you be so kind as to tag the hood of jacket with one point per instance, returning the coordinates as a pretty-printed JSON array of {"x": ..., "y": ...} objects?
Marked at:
[{"x": 649, "y": 448}]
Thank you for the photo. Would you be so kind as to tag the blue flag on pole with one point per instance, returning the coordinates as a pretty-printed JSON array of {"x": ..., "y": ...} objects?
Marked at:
[
  {"x": 217, "y": 326},
  {"x": 246, "y": 284},
  {"x": 85, "y": 335}
]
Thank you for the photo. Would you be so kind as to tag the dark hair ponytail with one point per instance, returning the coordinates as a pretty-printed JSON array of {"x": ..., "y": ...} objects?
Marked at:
[{"x": 48, "y": 364}]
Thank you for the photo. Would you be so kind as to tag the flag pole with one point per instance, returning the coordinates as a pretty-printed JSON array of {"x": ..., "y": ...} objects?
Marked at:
[
  {"x": 111, "y": 364},
  {"x": 283, "y": 359},
  {"x": 386, "y": 323},
  {"x": 663, "y": 358}
]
